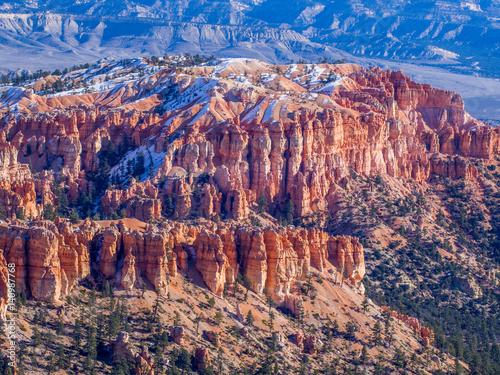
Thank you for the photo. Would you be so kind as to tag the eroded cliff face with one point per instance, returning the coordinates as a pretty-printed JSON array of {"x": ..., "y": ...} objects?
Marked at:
[
  {"x": 51, "y": 257},
  {"x": 287, "y": 132}
]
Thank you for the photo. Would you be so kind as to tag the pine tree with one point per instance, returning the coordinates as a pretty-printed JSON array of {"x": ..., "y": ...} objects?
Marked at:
[
  {"x": 350, "y": 330},
  {"x": 250, "y": 319},
  {"x": 364, "y": 355},
  {"x": 59, "y": 327},
  {"x": 272, "y": 316},
  {"x": 91, "y": 347},
  {"x": 246, "y": 282},
  {"x": 107, "y": 289},
  {"x": 169, "y": 206},
  {"x": 300, "y": 312},
  {"x": 74, "y": 217},
  {"x": 289, "y": 210},
  {"x": 365, "y": 305},
  {"x": 37, "y": 338},
  {"x": 177, "y": 318},
  {"x": 61, "y": 360},
  {"x": 399, "y": 358},
  {"x": 218, "y": 318},
  {"x": 262, "y": 202},
  {"x": 335, "y": 327},
  {"x": 158, "y": 360},
  {"x": 48, "y": 212},
  {"x": 198, "y": 319},
  {"x": 376, "y": 336},
  {"x": 139, "y": 166}
]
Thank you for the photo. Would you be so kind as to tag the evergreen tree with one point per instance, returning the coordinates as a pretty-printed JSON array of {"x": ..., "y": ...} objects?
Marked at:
[
  {"x": 289, "y": 210},
  {"x": 262, "y": 202},
  {"x": 350, "y": 330},
  {"x": 365, "y": 305},
  {"x": 376, "y": 334},
  {"x": 59, "y": 327},
  {"x": 169, "y": 206},
  {"x": 139, "y": 165},
  {"x": 74, "y": 217},
  {"x": 364, "y": 355},
  {"x": 107, "y": 289},
  {"x": 218, "y": 318},
  {"x": 48, "y": 212},
  {"x": 250, "y": 319},
  {"x": 61, "y": 360},
  {"x": 399, "y": 358},
  {"x": 246, "y": 282},
  {"x": 91, "y": 347},
  {"x": 158, "y": 360}
]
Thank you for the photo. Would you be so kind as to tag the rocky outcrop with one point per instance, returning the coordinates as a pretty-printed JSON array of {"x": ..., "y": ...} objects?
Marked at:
[
  {"x": 144, "y": 362},
  {"x": 202, "y": 359},
  {"x": 177, "y": 334},
  {"x": 310, "y": 343},
  {"x": 274, "y": 258},
  {"x": 211, "y": 261},
  {"x": 245, "y": 141},
  {"x": 17, "y": 187},
  {"x": 148, "y": 254},
  {"x": 426, "y": 334},
  {"x": 213, "y": 337},
  {"x": 121, "y": 347},
  {"x": 108, "y": 262},
  {"x": 46, "y": 277},
  {"x": 140, "y": 200},
  {"x": 299, "y": 339},
  {"x": 469, "y": 286},
  {"x": 51, "y": 258},
  {"x": 347, "y": 255}
]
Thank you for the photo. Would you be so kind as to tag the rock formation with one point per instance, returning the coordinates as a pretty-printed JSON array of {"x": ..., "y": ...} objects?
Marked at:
[
  {"x": 425, "y": 333},
  {"x": 310, "y": 344},
  {"x": 144, "y": 363},
  {"x": 202, "y": 359},
  {"x": 140, "y": 200},
  {"x": 273, "y": 259},
  {"x": 121, "y": 347},
  {"x": 51, "y": 257},
  {"x": 213, "y": 337},
  {"x": 294, "y": 142},
  {"x": 177, "y": 334}
]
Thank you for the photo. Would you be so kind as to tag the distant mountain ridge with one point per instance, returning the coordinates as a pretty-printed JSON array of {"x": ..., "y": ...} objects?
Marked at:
[
  {"x": 419, "y": 37},
  {"x": 461, "y": 35}
]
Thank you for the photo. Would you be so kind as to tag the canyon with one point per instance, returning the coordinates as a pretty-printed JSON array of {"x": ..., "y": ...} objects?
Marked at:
[{"x": 198, "y": 178}]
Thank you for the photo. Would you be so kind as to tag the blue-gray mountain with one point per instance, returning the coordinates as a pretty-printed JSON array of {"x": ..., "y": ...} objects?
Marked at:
[{"x": 459, "y": 35}]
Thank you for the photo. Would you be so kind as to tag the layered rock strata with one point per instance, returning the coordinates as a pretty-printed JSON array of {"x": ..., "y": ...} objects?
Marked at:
[
  {"x": 51, "y": 257},
  {"x": 294, "y": 137}
]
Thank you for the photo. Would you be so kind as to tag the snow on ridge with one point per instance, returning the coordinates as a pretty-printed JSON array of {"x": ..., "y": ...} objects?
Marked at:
[
  {"x": 152, "y": 161},
  {"x": 329, "y": 87},
  {"x": 268, "y": 114}
]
